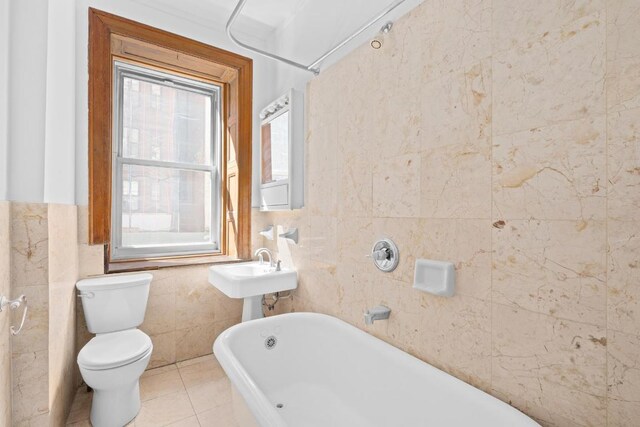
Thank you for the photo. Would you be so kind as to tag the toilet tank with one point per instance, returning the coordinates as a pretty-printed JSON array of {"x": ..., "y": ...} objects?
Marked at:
[{"x": 114, "y": 302}]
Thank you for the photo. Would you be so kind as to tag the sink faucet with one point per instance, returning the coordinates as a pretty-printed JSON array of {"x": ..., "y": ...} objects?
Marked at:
[
  {"x": 259, "y": 253},
  {"x": 379, "y": 312}
]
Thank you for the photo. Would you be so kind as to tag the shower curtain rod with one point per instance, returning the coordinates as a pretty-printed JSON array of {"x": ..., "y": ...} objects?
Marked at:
[{"x": 313, "y": 67}]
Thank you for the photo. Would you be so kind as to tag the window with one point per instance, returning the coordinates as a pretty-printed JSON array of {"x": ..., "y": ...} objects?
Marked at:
[
  {"x": 185, "y": 219},
  {"x": 169, "y": 145}
]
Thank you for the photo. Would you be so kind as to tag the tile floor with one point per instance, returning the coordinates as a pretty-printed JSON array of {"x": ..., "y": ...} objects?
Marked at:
[{"x": 193, "y": 393}]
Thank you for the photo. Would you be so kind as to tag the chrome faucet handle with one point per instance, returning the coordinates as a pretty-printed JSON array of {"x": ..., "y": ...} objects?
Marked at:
[
  {"x": 279, "y": 265},
  {"x": 380, "y": 254}
]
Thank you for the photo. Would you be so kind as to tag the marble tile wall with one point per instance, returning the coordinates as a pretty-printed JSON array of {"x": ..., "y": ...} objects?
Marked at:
[
  {"x": 63, "y": 275},
  {"x": 30, "y": 349},
  {"x": 5, "y": 319},
  {"x": 184, "y": 312},
  {"x": 504, "y": 136},
  {"x": 39, "y": 244}
]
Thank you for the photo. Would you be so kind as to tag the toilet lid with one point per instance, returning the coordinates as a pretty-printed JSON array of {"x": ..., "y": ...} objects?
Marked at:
[{"x": 114, "y": 349}]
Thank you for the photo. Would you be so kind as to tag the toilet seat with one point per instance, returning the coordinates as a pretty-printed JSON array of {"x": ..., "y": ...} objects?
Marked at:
[{"x": 114, "y": 349}]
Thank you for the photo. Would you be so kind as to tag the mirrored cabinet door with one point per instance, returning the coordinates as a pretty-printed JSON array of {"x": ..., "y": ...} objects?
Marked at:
[{"x": 282, "y": 153}]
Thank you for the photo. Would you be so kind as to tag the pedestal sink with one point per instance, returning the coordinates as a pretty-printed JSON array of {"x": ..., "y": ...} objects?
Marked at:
[{"x": 250, "y": 281}]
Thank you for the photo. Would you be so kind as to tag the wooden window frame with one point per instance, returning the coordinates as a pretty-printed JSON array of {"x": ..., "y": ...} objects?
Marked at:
[{"x": 107, "y": 34}]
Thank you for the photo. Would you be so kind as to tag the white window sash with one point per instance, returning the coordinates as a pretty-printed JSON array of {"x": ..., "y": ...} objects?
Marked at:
[{"x": 118, "y": 252}]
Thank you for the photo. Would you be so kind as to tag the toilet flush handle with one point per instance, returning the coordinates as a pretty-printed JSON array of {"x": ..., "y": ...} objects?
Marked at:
[{"x": 86, "y": 295}]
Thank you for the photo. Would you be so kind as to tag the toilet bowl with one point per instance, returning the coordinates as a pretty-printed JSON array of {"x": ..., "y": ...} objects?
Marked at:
[{"x": 112, "y": 362}]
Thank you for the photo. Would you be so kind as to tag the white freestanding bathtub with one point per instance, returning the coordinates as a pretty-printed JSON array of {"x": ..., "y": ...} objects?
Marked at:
[{"x": 307, "y": 369}]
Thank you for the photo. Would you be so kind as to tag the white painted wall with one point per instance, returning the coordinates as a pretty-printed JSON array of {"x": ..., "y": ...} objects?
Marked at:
[
  {"x": 4, "y": 95},
  {"x": 27, "y": 85},
  {"x": 60, "y": 131}
]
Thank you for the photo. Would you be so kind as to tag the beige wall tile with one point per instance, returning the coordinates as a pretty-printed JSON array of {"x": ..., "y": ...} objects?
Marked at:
[
  {"x": 29, "y": 244},
  {"x": 322, "y": 197},
  {"x": 90, "y": 260},
  {"x": 552, "y": 369},
  {"x": 555, "y": 79},
  {"x": 160, "y": 316},
  {"x": 396, "y": 186},
  {"x": 195, "y": 341},
  {"x": 322, "y": 125},
  {"x": 323, "y": 239},
  {"x": 623, "y": 300},
  {"x": 30, "y": 385},
  {"x": 456, "y": 130},
  {"x": 5, "y": 320},
  {"x": 556, "y": 268},
  {"x": 164, "y": 349},
  {"x": 624, "y": 165},
  {"x": 451, "y": 334},
  {"x": 553, "y": 172},
  {"x": 452, "y": 34},
  {"x": 623, "y": 367},
  {"x": 63, "y": 274},
  {"x": 196, "y": 303},
  {"x": 523, "y": 21},
  {"x": 455, "y": 181},
  {"x": 623, "y": 55},
  {"x": 63, "y": 247},
  {"x": 355, "y": 193}
]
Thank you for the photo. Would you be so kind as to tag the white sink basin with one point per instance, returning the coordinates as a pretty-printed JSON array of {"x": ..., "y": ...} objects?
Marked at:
[{"x": 251, "y": 280}]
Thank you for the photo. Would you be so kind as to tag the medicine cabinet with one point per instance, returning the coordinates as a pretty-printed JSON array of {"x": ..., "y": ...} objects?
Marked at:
[{"x": 282, "y": 153}]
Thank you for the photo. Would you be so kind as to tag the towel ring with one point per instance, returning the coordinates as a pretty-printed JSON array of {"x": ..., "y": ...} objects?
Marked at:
[{"x": 14, "y": 305}]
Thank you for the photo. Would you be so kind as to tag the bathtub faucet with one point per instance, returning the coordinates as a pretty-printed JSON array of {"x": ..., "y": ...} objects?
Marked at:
[
  {"x": 379, "y": 312},
  {"x": 259, "y": 253}
]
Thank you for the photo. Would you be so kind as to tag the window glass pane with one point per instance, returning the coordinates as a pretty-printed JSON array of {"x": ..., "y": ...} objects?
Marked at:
[
  {"x": 165, "y": 123},
  {"x": 162, "y": 206}
]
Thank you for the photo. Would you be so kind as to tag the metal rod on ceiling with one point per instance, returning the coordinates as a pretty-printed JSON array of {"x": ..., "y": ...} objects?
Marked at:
[{"x": 313, "y": 66}]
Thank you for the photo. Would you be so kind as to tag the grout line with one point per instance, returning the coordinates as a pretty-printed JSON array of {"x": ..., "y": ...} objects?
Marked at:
[
  {"x": 491, "y": 254},
  {"x": 606, "y": 215},
  {"x": 193, "y": 408}
]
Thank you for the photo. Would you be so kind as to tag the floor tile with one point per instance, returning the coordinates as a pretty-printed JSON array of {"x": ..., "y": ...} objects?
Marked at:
[
  {"x": 164, "y": 410},
  {"x": 206, "y": 370},
  {"x": 187, "y": 422},
  {"x": 172, "y": 395},
  {"x": 160, "y": 385},
  {"x": 160, "y": 370},
  {"x": 195, "y": 361},
  {"x": 81, "y": 407},
  {"x": 220, "y": 416},
  {"x": 210, "y": 395}
]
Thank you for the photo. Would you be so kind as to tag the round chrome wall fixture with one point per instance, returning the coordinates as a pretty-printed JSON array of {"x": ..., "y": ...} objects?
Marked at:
[{"x": 385, "y": 255}]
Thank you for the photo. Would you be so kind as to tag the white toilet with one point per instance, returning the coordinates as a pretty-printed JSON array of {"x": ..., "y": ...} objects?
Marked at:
[{"x": 112, "y": 362}]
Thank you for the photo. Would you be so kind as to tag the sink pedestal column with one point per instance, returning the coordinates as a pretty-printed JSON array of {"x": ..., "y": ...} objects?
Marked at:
[{"x": 252, "y": 308}]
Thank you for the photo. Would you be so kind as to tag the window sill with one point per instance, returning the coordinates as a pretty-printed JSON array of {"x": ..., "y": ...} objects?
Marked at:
[{"x": 156, "y": 264}]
